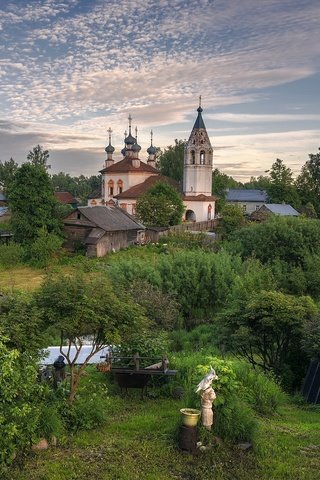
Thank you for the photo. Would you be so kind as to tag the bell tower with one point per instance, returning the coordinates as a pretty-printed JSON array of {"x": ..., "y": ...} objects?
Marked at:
[{"x": 198, "y": 159}]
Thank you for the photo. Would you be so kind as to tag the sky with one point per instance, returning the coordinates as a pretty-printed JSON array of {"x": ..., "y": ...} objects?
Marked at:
[{"x": 70, "y": 69}]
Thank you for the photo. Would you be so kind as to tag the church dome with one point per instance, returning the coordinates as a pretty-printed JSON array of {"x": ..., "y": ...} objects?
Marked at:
[
  {"x": 109, "y": 148},
  {"x": 129, "y": 140},
  {"x": 151, "y": 150},
  {"x": 124, "y": 151},
  {"x": 136, "y": 147}
]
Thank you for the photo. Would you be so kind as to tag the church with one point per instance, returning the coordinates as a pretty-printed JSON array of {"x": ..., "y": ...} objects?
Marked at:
[{"x": 125, "y": 180}]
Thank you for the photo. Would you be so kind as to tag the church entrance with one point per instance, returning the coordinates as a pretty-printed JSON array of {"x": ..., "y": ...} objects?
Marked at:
[{"x": 190, "y": 216}]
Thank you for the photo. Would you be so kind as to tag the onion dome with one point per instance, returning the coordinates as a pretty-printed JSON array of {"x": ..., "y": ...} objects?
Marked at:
[
  {"x": 109, "y": 148},
  {"x": 124, "y": 151},
  {"x": 136, "y": 148},
  {"x": 151, "y": 150},
  {"x": 130, "y": 140}
]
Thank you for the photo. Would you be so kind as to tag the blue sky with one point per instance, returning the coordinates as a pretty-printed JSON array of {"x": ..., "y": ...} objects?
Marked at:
[{"x": 69, "y": 69}]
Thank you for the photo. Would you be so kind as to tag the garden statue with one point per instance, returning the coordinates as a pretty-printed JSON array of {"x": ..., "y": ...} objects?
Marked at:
[{"x": 207, "y": 397}]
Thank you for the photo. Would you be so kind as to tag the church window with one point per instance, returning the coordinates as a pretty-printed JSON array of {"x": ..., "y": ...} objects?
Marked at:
[
  {"x": 202, "y": 157},
  {"x": 193, "y": 157},
  {"x": 120, "y": 186},
  {"x": 110, "y": 188},
  {"x": 133, "y": 209},
  {"x": 123, "y": 206}
]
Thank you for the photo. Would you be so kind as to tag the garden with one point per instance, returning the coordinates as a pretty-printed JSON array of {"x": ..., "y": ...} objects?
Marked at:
[{"x": 246, "y": 308}]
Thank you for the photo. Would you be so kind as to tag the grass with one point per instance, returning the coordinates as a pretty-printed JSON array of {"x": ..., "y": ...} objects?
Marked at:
[
  {"x": 139, "y": 441},
  {"x": 25, "y": 278}
]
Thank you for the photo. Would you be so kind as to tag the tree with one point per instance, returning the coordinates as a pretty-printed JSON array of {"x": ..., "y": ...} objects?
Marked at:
[
  {"x": 8, "y": 170},
  {"x": 171, "y": 161},
  {"x": 39, "y": 157},
  {"x": 308, "y": 182},
  {"x": 221, "y": 182},
  {"x": 267, "y": 329},
  {"x": 232, "y": 218},
  {"x": 258, "y": 183},
  {"x": 79, "y": 305},
  {"x": 160, "y": 206},
  {"x": 281, "y": 188},
  {"x": 33, "y": 204}
]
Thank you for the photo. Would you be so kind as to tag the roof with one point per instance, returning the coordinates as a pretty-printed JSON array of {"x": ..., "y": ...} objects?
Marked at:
[
  {"x": 109, "y": 219},
  {"x": 65, "y": 197},
  {"x": 125, "y": 165},
  {"x": 281, "y": 209},
  {"x": 199, "y": 123},
  {"x": 137, "y": 190},
  {"x": 4, "y": 211},
  {"x": 199, "y": 198},
  {"x": 243, "y": 195}
]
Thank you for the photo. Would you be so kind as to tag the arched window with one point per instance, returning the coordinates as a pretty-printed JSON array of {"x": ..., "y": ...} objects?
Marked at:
[
  {"x": 202, "y": 157},
  {"x": 120, "y": 186},
  {"x": 193, "y": 157},
  {"x": 110, "y": 188},
  {"x": 209, "y": 211}
]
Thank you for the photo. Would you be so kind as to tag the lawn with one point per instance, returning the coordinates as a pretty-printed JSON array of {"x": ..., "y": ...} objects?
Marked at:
[
  {"x": 139, "y": 441},
  {"x": 24, "y": 278}
]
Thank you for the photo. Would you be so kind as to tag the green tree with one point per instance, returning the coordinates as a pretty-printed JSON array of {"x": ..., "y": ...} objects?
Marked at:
[
  {"x": 8, "y": 170},
  {"x": 258, "y": 183},
  {"x": 39, "y": 157},
  {"x": 33, "y": 204},
  {"x": 160, "y": 206},
  {"x": 267, "y": 329},
  {"x": 281, "y": 188},
  {"x": 232, "y": 218},
  {"x": 170, "y": 161},
  {"x": 308, "y": 182},
  {"x": 80, "y": 305}
]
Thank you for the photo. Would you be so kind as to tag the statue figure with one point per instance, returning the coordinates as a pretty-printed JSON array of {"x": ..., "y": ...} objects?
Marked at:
[{"x": 207, "y": 397}]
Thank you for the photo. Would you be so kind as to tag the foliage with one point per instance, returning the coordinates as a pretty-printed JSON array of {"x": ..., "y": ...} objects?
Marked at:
[
  {"x": 19, "y": 415},
  {"x": 311, "y": 337},
  {"x": 44, "y": 248},
  {"x": 289, "y": 239},
  {"x": 308, "y": 182},
  {"x": 79, "y": 187},
  {"x": 232, "y": 219},
  {"x": 39, "y": 157},
  {"x": 79, "y": 305},
  {"x": 8, "y": 170},
  {"x": 160, "y": 206},
  {"x": 188, "y": 240},
  {"x": 196, "y": 340},
  {"x": 281, "y": 188},
  {"x": 220, "y": 183},
  {"x": 262, "y": 390},
  {"x": 32, "y": 203},
  {"x": 170, "y": 162},
  {"x": 262, "y": 182},
  {"x": 267, "y": 330},
  {"x": 11, "y": 255},
  {"x": 21, "y": 323}
]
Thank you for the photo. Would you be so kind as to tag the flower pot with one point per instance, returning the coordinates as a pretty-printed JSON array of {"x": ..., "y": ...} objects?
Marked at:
[{"x": 190, "y": 416}]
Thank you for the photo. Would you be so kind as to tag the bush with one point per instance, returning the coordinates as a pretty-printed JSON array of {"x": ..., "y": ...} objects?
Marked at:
[
  {"x": 234, "y": 421},
  {"x": 202, "y": 336},
  {"x": 43, "y": 249},
  {"x": 11, "y": 255},
  {"x": 20, "y": 412},
  {"x": 262, "y": 391}
]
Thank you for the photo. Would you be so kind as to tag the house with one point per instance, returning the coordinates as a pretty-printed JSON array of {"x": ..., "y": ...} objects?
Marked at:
[
  {"x": 248, "y": 200},
  {"x": 280, "y": 209},
  {"x": 102, "y": 229},
  {"x": 66, "y": 198},
  {"x": 127, "y": 179}
]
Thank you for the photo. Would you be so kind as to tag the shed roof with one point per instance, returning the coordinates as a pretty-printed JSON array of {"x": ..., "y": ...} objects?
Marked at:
[
  {"x": 243, "y": 195},
  {"x": 281, "y": 209},
  {"x": 110, "y": 219}
]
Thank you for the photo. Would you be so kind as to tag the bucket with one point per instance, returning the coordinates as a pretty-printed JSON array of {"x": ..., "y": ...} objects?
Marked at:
[{"x": 190, "y": 416}]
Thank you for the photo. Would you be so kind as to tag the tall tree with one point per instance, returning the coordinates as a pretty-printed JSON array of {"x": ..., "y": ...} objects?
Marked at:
[
  {"x": 8, "y": 170},
  {"x": 308, "y": 182},
  {"x": 39, "y": 157},
  {"x": 282, "y": 188},
  {"x": 170, "y": 161},
  {"x": 33, "y": 204},
  {"x": 160, "y": 206}
]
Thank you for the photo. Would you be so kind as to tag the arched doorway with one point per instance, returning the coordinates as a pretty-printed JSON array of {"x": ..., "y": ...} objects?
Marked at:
[{"x": 190, "y": 216}]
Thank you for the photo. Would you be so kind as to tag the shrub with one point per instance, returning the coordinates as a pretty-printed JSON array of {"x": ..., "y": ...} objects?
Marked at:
[
  {"x": 234, "y": 421},
  {"x": 11, "y": 255},
  {"x": 262, "y": 391},
  {"x": 20, "y": 412},
  {"x": 43, "y": 249},
  {"x": 202, "y": 336}
]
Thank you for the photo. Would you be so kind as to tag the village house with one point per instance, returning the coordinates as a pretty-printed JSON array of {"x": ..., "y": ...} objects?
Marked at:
[
  {"x": 248, "y": 200},
  {"x": 279, "y": 209},
  {"x": 102, "y": 229}
]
